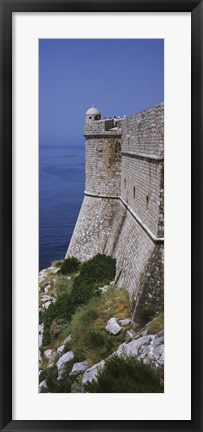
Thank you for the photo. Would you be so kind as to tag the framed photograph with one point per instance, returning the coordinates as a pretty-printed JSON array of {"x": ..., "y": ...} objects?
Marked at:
[{"x": 101, "y": 215}]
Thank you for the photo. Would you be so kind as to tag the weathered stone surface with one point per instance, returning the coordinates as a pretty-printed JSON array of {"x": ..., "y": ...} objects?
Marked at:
[
  {"x": 113, "y": 327},
  {"x": 132, "y": 348},
  {"x": 60, "y": 349},
  {"x": 47, "y": 288},
  {"x": 149, "y": 349},
  {"x": 47, "y": 304},
  {"x": 92, "y": 372},
  {"x": 50, "y": 354},
  {"x": 62, "y": 362},
  {"x": 158, "y": 341},
  {"x": 130, "y": 334},
  {"x": 41, "y": 330},
  {"x": 104, "y": 289},
  {"x": 78, "y": 368},
  {"x": 43, "y": 385},
  {"x": 125, "y": 321},
  {"x": 46, "y": 298},
  {"x": 42, "y": 275}
]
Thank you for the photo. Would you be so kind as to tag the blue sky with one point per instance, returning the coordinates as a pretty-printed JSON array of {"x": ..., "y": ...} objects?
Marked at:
[{"x": 118, "y": 76}]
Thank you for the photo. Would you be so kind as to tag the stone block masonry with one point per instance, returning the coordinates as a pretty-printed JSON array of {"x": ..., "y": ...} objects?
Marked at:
[
  {"x": 123, "y": 209},
  {"x": 93, "y": 227}
]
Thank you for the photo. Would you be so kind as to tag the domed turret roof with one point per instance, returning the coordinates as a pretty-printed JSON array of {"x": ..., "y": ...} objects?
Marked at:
[{"x": 93, "y": 111}]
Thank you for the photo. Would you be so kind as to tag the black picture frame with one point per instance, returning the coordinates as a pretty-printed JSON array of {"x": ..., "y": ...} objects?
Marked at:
[{"x": 7, "y": 7}]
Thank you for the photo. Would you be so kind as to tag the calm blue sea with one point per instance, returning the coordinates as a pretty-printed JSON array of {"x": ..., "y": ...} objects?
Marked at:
[{"x": 61, "y": 190}]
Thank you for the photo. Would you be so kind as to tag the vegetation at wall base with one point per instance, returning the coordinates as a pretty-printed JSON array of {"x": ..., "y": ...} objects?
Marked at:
[
  {"x": 87, "y": 327},
  {"x": 93, "y": 274},
  {"x": 70, "y": 265}
]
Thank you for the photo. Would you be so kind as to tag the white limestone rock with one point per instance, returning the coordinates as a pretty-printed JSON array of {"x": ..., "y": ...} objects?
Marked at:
[
  {"x": 50, "y": 355},
  {"x": 149, "y": 349},
  {"x": 92, "y": 372},
  {"x": 158, "y": 341},
  {"x": 65, "y": 358},
  {"x": 43, "y": 385},
  {"x": 132, "y": 348},
  {"x": 113, "y": 327},
  {"x": 60, "y": 349},
  {"x": 78, "y": 368},
  {"x": 49, "y": 303},
  {"x": 47, "y": 288},
  {"x": 130, "y": 334},
  {"x": 41, "y": 330},
  {"x": 46, "y": 298},
  {"x": 42, "y": 275},
  {"x": 104, "y": 289},
  {"x": 125, "y": 322}
]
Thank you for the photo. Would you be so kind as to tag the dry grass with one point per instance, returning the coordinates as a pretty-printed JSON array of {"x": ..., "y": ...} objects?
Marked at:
[
  {"x": 156, "y": 325},
  {"x": 89, "y": 337}
]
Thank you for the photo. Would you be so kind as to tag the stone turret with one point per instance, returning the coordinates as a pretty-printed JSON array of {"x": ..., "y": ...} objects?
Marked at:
[
  {"x": 92, "y": 114},
  {"x": 103, "y": 156}
]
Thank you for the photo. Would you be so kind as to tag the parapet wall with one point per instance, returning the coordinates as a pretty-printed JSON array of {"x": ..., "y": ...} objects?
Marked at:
[{"x": 123, "y": 211}]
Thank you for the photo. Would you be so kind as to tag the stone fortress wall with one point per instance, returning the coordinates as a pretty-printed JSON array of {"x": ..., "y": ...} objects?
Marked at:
[{"x": 123, "y": 209}]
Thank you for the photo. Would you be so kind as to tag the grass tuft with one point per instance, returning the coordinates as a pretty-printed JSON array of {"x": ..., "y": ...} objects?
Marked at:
[{"x": 156, "y": 325}]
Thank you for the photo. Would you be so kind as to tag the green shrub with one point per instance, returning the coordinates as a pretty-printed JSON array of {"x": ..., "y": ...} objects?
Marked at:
[
  {"x": 96, "y": 338},
  {"x": 60, "y": 386},
  {"x": 70, "y": 265},
  {"x": 100, "y": 268},
  {"x": 144, "y": 314},
  {"x": 98, "y": 271},
  {"x": 126, "y": 375},
  {"x": 62, "y": 309}
]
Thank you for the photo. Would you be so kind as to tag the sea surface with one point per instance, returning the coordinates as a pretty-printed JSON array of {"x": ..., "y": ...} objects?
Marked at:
[{"x": 61, "y": 191}]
